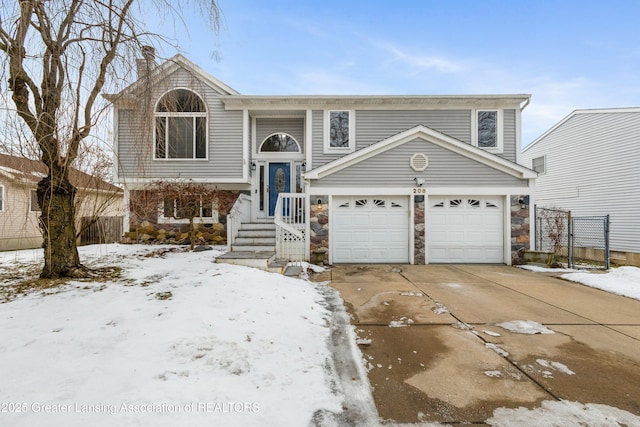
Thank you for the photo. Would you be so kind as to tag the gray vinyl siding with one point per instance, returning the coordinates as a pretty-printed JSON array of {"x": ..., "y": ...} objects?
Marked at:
[
  {"x": 446, "y": 168},
  {"x": 373, "y": 126},
  {"x": 225, "y": 143},
  {"x": 293, "y": 126},
  {"x": 509, "y": 135},
  {"x": 592, "y": 169}
]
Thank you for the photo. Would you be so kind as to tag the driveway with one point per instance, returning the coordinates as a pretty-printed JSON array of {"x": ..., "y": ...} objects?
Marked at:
[{"x": 434, "y": 351}]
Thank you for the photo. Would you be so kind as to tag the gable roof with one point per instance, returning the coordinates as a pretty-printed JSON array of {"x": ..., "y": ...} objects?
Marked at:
[
  {"x": 431, "y": 136},
  {"x": 166, "y": 68},
  {"x": 30, "y": 172},
  {"x": 581, "y": 112}
]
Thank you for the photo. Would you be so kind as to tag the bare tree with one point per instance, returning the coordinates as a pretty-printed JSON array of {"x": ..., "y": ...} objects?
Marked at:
[
  {"x": 188, "y": 200},
  {"x": 554, "y": 223},
  {"x": 74, "y": 48}
]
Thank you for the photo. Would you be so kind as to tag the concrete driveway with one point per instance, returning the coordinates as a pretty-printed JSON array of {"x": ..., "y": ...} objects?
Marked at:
[{"x": 434, "y": 351}]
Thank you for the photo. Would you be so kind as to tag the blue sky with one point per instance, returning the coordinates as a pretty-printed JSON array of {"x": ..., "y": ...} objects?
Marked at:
[{"x": 567, "y": 54}]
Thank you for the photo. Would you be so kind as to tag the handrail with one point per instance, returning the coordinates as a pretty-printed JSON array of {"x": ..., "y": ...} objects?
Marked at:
[
  {"x": 290, "y": 221},
  {"x": 289, "y": 213},
  {"x": 239, "y": 213}
]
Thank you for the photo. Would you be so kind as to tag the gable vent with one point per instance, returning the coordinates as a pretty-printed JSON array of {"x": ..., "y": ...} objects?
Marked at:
[{"x": 419, "y": 162}]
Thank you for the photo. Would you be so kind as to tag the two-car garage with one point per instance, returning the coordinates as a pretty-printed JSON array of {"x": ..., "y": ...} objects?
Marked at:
[{"x": 458, "y": 229}]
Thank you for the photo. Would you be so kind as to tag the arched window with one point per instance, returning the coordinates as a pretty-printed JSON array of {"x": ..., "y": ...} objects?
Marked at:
[
  {"x": 279, "y": 143},
  {"x": 181, "y": 126}
]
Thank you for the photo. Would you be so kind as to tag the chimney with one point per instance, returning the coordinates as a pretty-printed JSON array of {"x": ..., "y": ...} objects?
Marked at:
[{"x": 145, "y": 65}]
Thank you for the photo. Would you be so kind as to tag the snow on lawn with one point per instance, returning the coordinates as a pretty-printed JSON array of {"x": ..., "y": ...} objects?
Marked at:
[
  {"x": 621, "y": 281},
  {"x": 176, "y": 340}
]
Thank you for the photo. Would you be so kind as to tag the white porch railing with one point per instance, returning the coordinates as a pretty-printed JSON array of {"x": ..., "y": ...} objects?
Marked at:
[
  {"x": 239, "y": 213},
  {"x": 291, "y": 242}
]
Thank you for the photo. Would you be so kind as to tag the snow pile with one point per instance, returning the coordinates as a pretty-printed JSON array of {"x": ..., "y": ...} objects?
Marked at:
[
  {"x": 539, "y": 269},
  {"x": 177, "y": 340},
  {"x": 623, "y": 281},
  {"x": 563, "y": 414},
  {"x": 528, "y": 327}
]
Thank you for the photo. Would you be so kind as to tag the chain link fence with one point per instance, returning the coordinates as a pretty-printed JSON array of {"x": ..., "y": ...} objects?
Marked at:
[{"x": 576, "y": 239}]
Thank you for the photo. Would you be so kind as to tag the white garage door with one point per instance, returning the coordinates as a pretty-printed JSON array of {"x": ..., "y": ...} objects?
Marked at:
[
  {"x": 370, "y": 229},
  {"x": 465, "y": 229}
]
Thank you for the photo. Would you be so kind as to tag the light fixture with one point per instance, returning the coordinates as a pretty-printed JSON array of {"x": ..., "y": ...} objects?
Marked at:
[
  {"x": 304, "y": 166},
  {"x": 253, "y": 166}
]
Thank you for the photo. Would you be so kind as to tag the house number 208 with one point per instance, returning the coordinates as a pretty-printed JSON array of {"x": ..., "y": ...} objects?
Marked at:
[{"x": 419, "y": 191}]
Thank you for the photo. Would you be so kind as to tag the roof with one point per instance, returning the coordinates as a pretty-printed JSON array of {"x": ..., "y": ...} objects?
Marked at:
[
  {"x": 168, "y": 67},
  {"x": 581, "y": 112},
  {"x": 431, "y": 136},
  {"x": 32, "y": 171},
  {"x": 234, "y": 100},
  {"x": 372, "y": 101}
]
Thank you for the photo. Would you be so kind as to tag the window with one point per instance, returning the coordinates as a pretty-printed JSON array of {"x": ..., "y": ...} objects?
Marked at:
[
  {"x": 174, "y": 210},
  {"x": 339, "y": 134},
  {"x": 181, "y": 126},
  {"x": 279, "y": 143},
  {"x": 1, "y": 198},
  {"x": 538, "y": 164},
  {"x": 34, "y": 206},
  {"x": 488, "y": 130}
]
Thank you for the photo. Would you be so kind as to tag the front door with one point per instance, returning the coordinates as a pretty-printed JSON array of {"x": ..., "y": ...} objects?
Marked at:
[{"x": 279, "y": 182}]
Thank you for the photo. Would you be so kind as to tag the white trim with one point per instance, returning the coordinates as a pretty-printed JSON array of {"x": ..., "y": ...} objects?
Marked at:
[
  {"x": 519, "y": 136},
  {"x": 308, "y": 140},
  {"x": 259, "y": 148},
  {"x": 126, "y": 226},
  {"x": 499, "y": 148},
  {"x": 506, "y": 229},
  {"x": 246, "y": 166},
  {"x": 193, "y": 115},
  {"x": 431, "y": 136},
  {"x": 373, "y": 102},
  {"x": 327, "y": 149}
]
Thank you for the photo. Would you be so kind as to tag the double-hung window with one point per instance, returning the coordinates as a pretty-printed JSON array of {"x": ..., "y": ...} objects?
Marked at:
[
  {"x": 34, "y": 206},
  {"x": 538, "y": 164},
  {"x": 180, "y": 126}
]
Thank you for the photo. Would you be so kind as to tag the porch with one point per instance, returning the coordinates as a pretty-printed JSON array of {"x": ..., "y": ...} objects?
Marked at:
[{"x": 272, "y": 243}]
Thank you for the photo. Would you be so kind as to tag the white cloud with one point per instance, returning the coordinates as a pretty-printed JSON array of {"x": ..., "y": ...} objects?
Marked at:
[{"x": 421, "y": 62}]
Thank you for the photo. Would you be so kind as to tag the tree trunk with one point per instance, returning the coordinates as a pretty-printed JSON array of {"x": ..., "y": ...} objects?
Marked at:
[{"x": 56, "y": 199}]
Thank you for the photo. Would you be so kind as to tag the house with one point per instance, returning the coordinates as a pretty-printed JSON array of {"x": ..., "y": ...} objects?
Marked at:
[
  {"x": 588, "y": 164},
  {"x": 19, "y": 210},
  {"x": 350, "y": 179}
]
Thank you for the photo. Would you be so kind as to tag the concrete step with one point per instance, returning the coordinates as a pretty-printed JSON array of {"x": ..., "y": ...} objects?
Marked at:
[
  {"x": 252, "y": 248},
  {"x": 256, "y": 233},
  {"x": 257, "y": 226},
  {"x": 255, "y": 259},
  {"x": 243, "y": 241}
]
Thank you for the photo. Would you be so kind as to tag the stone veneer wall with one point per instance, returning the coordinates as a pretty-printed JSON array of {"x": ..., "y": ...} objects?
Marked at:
[
  {"x": 319, "y": 230},
  {"x": 520, "y": 227},
  {"x": 418, "y": 230}
]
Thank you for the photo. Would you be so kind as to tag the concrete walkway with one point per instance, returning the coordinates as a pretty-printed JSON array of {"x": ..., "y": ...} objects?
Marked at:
[{"x": 436, "y": 353}]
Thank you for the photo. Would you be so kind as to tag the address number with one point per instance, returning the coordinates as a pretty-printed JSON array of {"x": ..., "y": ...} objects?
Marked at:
[{"x": 419, "y": 190}]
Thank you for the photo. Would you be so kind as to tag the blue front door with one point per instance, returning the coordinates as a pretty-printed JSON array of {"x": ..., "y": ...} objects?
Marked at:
[{"x": 279, "y": 182}]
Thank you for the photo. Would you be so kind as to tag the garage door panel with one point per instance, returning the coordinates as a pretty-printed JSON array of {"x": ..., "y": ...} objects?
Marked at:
[
  {"x": 465, "y": 229},
  {"x": 370, "y": 229}
]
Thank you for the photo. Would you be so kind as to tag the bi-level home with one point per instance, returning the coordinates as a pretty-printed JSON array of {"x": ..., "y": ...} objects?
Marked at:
[{"x": 350, "y": 179}]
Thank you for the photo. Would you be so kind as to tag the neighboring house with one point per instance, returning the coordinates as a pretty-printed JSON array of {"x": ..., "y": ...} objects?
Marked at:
[
  {"x": 19, "y": 210},
  {"x": 358, "y": 179},
  {"x": 588, "y": 163}
]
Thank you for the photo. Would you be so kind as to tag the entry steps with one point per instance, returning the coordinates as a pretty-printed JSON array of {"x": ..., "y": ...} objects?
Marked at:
[{"x": 255, "y": 246}]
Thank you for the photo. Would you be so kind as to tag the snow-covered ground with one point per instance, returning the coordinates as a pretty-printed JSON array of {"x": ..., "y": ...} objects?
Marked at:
[
  {"x": 177, "y": 340},
  {"x": 623, "y": 281}
]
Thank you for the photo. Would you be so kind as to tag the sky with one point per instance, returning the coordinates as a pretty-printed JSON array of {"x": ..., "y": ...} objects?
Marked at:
[{"x": 567, "y": 54}]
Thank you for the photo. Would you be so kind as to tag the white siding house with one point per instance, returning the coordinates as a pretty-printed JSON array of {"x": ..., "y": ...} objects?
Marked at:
[{"x": 588, "y": 163}]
